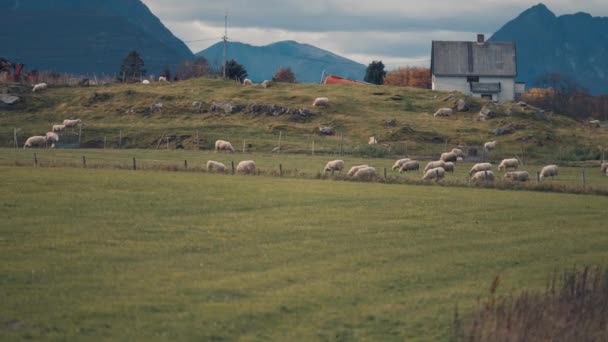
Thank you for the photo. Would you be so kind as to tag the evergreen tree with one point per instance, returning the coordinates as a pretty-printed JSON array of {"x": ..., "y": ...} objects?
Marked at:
[
  {"x": 166, "y": 73},
  {"x": 375, "y": 73},
  {"x": 132, "y": 68},
  {"x": 235, "y": 71}
]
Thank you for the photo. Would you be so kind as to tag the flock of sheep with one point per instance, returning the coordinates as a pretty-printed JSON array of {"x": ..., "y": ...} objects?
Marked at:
[{"x": 50, "y": 138}]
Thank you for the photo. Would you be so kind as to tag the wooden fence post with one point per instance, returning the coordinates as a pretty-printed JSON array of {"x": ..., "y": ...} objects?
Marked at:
[
  {"x": 584, "y": 176},
  {"x": 280, "y": 170},
  {"x": 167, "y": 143},
  {"x": 104, "y": 142},
  {"x": 79, "y": 135},
  {"x": 341, "y": 144},
  {"x": 313, "y": 147},
  {"x": 15, "y": 137},
  {"x": 186, "y": 164},
  {"x": 134, "y": 164},
  {"x": 280, "y": 138},
  {"x": 523, "y": 155},
  {"x": 537, "y": 177},
  {"x": 232, "y": 163},
  {"x": 385, "y": 173},
  {"x": 120, "y": 139},
  {"x": 244, "y": 149},
  {"x": 84, "y": 162},
  {"x": 35, "y": 159}
]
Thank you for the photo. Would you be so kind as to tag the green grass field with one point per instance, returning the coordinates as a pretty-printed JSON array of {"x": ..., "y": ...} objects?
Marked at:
[{"x": 119, "y": 255}]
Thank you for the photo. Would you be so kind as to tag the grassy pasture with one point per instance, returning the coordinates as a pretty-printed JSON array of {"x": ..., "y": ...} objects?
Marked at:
[{"x": 117, "y": 255}]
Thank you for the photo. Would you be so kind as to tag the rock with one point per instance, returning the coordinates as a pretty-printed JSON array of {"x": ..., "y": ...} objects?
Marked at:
[
  {"x": 8, "y": 99},
  {"x": 326, "y": 130},
  {"x": 488, "y": 112},
  {"x": 391, "y": 123},
  {"x": 226, "y": 107},
  {"x": 448, "y": 98},
  {"x": 157, "y": 107},
  {"x": 503, "y": 131},
  {"x": 522, "y": 104},
  {"x": 462, "y": 106},
  {"x": 444, "y": 112}
]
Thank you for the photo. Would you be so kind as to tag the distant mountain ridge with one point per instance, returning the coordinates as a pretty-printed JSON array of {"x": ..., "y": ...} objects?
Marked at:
[
  {"x": 85, "y": 36},
  {"x": 574, "y": 45},
  {"x": 307, "y": 62}
]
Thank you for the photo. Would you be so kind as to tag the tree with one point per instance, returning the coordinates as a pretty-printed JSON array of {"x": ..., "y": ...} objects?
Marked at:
[
  {"x": 375, "y": 73},
  {"x": 132, "y": 67},
  {"x": 235, "y": 71},
  {"x": 166, "y": 73},
  {"x": 409, "y": 77},
  {"x": 284, "y": 75},
  {"x": 193, "y": 69}
]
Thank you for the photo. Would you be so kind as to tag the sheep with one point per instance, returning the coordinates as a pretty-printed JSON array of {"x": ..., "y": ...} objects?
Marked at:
[
  {"x": 265, "y": 84},
  {"x": 410, "y": 166},
  {"x": 71, "y": 123},
  {"x": 480, "y": 167},
  {"x": 145, "y": 82},
  {"x": 434, "y": 165},
  {"x": 595, "y": 123},
  {"x": 157, "y": 107},
  {"x": 247, "y": 82},
  {"x": 399, "y": 163},
  {"x": 40, "y": 141},
  {"x": 508, "y": 164},
  {"x": 487, "y": 176},
  {"x": 459, "y": 153},
  {"x": 246, "y": 167},
  {"x": 444, "y": 112},
  {"x": 490, "y": 146},
  {"x": 604, "y": 168},
  {"x": 52, "y": 137},
  {"x": 437, "y": 174},
  {"x": 58, "y": 128},
  {"x": 449, "y": 157},
  {"x": 213, "y": 166},
  {"x": 372, "y": 141},
  {"x": 321, "y": 102},
  {"x": 518, "y": 176},
  {"x": 549, "y": 171},
  {"x": 197, "y": 104},
  {"x": 354, "y": 170},
  {"x": 40, "y": 87},
  {"x": 365, "y": 174},
  {"x": 162, "y": 79},
  {"x": 225, "y": 146},
  {"x": 450, "y": 167},
  {"x": 336, "y": 165}
]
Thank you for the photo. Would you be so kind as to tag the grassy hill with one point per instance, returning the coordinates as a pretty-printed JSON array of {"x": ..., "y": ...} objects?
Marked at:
[{"x": 356, "y": 112}]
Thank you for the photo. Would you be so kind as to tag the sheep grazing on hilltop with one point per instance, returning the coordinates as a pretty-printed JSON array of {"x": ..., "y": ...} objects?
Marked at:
[
  {"x": 365, "y": 174},
  {"x": 335, "y": 165},
  {"x": 40, "y": 87},
  {"x": 450, "y": 167},
  {"x": 58, "y": 128},
  {"x": 247, "y": 82},
  {"x": 354, "y": 170},
  {"x": 604, "y": 168},
  {"x": 549, "y": 171},
  {"x": 321, "y": 102},
  {"x": 437, "y": 174},
  {"x": 490, "y": 146},
  {"x": 486, "y": 176},
  {"x": 480, "y": 167},
  {"x": 459, "y": 153},
  {"x": 225, "y": 146},
  {"x": 213, "y": 166},
  {"x": 434, "y": 165},
  {"x": 411, "y": 165},
  {"x": 72, "y": 123},
  {"x": 518, "y": 176},
  {"x": 265, "y": 84},
  {"x": 449, "y": 157},
  {"x": 39, "y": 141},
  {"x": 372, "y": 141},
  {"x": 145, "y": 82},
  {"x": 162, "y": 79},
  {"x": 399, "y": 163},
  {"x": 508, "y": 164},
  {"x": 246, "y": 167}
]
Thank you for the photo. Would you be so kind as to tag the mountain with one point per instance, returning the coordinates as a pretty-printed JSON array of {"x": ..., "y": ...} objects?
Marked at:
[
  {"x": 85, "y": 36},
  {"x": 306, "y": 61},
  {"x": 573, "y": 45}
]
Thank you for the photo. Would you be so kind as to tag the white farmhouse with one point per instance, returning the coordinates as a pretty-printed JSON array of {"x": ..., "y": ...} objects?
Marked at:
[{"x": 482, "y": 69}]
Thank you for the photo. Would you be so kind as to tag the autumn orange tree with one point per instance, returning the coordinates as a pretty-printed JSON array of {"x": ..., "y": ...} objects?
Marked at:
[
  {"x": 284, "y": 75},
  {"x": 409, "y": 77}
]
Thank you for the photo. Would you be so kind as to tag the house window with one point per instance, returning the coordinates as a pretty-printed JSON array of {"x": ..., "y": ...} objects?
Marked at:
[
  {"x": 471, "y": 79},
  {"x": 486, "y": 96}
]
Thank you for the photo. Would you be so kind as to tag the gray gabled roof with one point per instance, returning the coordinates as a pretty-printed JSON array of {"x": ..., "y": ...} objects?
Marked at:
[{"x": 472, "y": 59}]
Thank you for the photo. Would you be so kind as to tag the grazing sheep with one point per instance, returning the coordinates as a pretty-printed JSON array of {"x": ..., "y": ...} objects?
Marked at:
[
  {"x": 518, "y": 176},
  {"x": 37, "y": 140},
  {"x": 399, "y": 163},
  {"x": 247, "y": 82},
  {"x": 162, "y": 79},
  {"x": 365, "y": 174},
  {"x": 595, "y": 123},
  {"x": 372, "y": 141},
  {"x": 508, "y": 164},
  {"x": 58, "y": 128},
  {"x": 434, "y": 165},
  {"x": 549, "y": 171},
  {"x": 410, "y": 166},
  {"x": 480, "y": 167},
  {"x": 213, "y": 166},
  {"x": 444, "y": 112},
  {"x": 450, "y": 167},
  {"x": 265, "y": 84},
  {"x": 225, "y": 146},
  {"x": 487, "y": 176},
  {"x": 145, "y": 82},
  {"x": 72, "y": 123},
  {"x": 437, "y": 174},
  {"x": 604, "y": 168},
  {"x": 157, "y": 107},
  {"x": 354, "y": 170},
  {"x": 246, "y": 167},
  {"x": 321, "y": 102},
  {"x": 449, "y": 157},
  {"x": 459, "y": 153},
  {"x": 52, "y": 137},
  {"x": 490, "y": 146},
  {"x": 336, "y": 165},
  {"x": 40, "y": 87},
  {"x": 197, "y": 104}
]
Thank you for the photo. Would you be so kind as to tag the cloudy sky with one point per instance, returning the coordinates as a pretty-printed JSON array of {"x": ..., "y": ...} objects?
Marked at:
[{"x": 398, "y": 32}]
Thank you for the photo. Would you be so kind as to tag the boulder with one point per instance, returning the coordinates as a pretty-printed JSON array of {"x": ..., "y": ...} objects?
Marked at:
[
  {"x": 226, "y": 107},
  {"x": 444, "y": 112},
  {"x": 462, "y": 106},
  {"x": 391, "y": 123},
  {"x": 503, "y": 131},
  {"x": 326, "y": 130},
  {"x": 488, "y": 112}
]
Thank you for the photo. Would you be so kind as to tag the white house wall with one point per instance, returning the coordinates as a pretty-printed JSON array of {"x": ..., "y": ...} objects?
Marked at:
[{"x": 507, "y": 86}]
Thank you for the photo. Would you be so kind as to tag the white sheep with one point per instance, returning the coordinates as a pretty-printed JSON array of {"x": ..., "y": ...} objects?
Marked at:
[
  {"x": 335, "y": 165},
  {"x": 434, "y": 165},
  {"x": 354, "y": 170},
  {"x": 450, "y": 167},
  {"x": 399, "y": 163},
  {"x": 595, "y": 123},
  {"x": 444, "y": 112},
  {"x": 508, "y": 164},
  {"x": 459, "y": 153},
  {"x": 265, "y": 84},
  {"x": 490, "y": 146},
  {"x": 487, "y": 176},
  {"x": 213, "y": 166},
  {"x": 321, "y": 102},
  {"x": 365, "y": 174},
  {"x": 157, "y": 107},
  {"x": 40, "y": 87},
  {"x": 372, "y": 141},
  {"x": 58, "y": 128},
  {"x": 549, "y": 171},
  {"x": 145, "y": 82},
  {"x": 518, "y": 176},
  {"x": 162, "y": 79},
  {"x": 52, "y": 137},
  {"x": 247, "y": 82},
  {"x": 197, "y": 104},
  {"x": 480, "y": 167},
  {"x": 40, "y": 141},
  {"x": 449, "y": 157},
  {"x": 411, "y": 165},
  {"x": 72, "y": 123},
  {"x": 437, "y": 174},
  {"x": 246, "y": 167},
  {"x": 604, "y": 168},
  {"x": 225, "y": 146}
]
